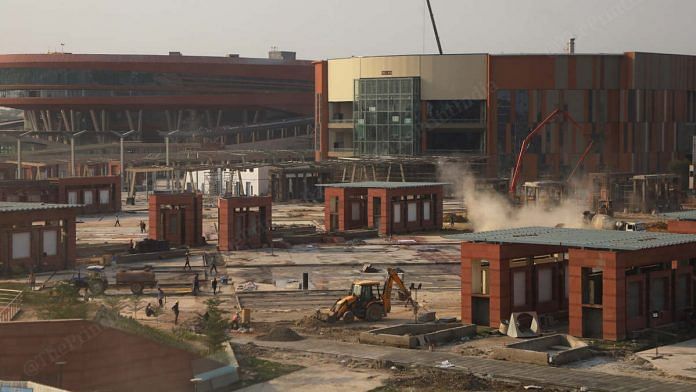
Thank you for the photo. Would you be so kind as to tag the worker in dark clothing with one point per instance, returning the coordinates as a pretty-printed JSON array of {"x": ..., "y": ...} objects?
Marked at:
[
  {"x": 196, "y": 285},
  {"x": 118, "y": 222},
  {"x": 188, "y": 262},
  {"x": 149, "y": 311},
  {"x": 175, "y": 308},
  {"x": 451, "y": 219},
  {"x": 160, "y": 297},
  {"x": 143, "y": 225},
  {"x": 213, "y": 266},
  {"x": 214, "y": 284}
]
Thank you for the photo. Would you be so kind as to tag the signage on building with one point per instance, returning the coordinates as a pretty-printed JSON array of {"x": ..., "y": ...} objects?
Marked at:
[{"x": 386, "y": 73}]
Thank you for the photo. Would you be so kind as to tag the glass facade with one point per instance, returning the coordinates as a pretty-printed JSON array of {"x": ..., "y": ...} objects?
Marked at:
[
  {"x": 386, "y": 116},
  {"x": 96, "y": 77},
  {"x": 456, "y": 111}
]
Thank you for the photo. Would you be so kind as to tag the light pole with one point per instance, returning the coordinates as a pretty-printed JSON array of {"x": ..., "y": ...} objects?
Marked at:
[
  {"x": 166, "y": 158},
  {"x": 19, "y": 153},
  {"x": 123, "y": 164},
  {"x": 72, "y": 151}
]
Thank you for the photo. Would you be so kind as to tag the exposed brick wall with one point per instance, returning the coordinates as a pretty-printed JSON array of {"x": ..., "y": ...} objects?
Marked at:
[
  {"x": 21, "y": 221},
  {"x": 96, "y": 358},
  {"x": 235, "y": 209},
  {"x": 186, "y": 209},
  {"x": 681, "y": 227}
]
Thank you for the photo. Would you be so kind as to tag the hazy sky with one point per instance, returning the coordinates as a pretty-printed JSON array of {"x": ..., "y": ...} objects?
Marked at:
[{"x": 340, "y": 28}]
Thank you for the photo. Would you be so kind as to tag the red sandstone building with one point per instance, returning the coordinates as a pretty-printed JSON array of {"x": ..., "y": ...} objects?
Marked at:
[
  {"x": 389, "y": 207},
  {"x": 94, "y": 195},
  {"x": 608, "y": 283},
  {"x": 36, "y": 236},
  {"x": 683, "y": 222},
  {"x": 177, "y": 218},
  {"x": 244, "y": 222},
  {"x": 66, "y": 93},
  {"x": 639, "y": 108}
]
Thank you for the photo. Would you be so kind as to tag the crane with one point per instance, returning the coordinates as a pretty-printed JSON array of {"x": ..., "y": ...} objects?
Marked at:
[
  {"x": 432, "y": 19},
  {"x": 514, "y": 179}
]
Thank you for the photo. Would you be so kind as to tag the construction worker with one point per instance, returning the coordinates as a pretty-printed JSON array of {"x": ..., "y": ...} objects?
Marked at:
[
  {"x": 214, "y": 284},
  {"x": 175, "y": 308},
  {"x": 451, "y": 219},
  {"x": 143, "y": 225},
  {"x": 160, "y": 297},
  {"x": 188, "y": 261},
  {"x": 196, "y": 285},
  {"x": 213, "y": 266},
  {"x": 118, "y": 222},
  {"x": 149, "y": 311}
]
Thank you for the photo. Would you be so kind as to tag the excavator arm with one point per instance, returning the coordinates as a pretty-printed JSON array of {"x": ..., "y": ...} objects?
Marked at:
[{"x": 388, "y": 286}]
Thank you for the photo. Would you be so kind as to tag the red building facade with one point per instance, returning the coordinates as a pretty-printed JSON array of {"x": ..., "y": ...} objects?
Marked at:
[
  {"x": 244, "y": 222},
  {"x": 177, "y": 218},
  {"x": 608, "y": 284},
  {"x": 95, "y": 195},
  {"x": 389, "y": 207},
  {"x": 35, "y": 236},
  {"x": 67, "y": 92},
  {"x": 638, "y": 108}
]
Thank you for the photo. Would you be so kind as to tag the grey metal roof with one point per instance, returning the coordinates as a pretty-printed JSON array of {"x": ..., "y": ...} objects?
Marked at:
[
  {"x": 579, "y": 238},
  {"x": 688, "y": 215},
  {"x": 8, "y": 206},
  {"x": 382, "y": 184}
]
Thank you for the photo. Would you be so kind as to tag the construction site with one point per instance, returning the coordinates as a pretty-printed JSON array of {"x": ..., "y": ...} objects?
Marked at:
[{"x": 433, "y": 222}]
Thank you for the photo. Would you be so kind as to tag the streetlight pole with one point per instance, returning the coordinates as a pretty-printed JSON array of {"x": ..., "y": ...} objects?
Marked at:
[
  {"x": 166, "y": 158},
  {"x": 122, "y": 171},
  {"x": 72, "y": 151}
]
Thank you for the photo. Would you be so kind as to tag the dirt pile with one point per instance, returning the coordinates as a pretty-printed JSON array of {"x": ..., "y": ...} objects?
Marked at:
[{"x": 281, "y": 334}]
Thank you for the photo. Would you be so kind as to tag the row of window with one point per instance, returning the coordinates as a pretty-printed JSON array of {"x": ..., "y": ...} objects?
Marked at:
[
  {"x": 88, "y": 197},
  {"x": 64, "y": 76},
  {"x": 21, "y": 244}
]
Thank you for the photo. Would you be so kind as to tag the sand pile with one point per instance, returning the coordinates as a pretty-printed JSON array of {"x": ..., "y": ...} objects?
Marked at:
[{"x": 281, "y": 334}]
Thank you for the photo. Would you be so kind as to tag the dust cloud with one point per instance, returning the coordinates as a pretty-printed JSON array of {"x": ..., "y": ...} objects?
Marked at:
[{"x": 491, "y": 210}]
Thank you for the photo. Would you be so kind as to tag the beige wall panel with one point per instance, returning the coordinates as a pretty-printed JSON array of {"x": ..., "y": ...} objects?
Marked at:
[
  {"x": 453, "y": 77},
  {"x": 442, "y": 77},
  {"x": 342, "y": 72}
]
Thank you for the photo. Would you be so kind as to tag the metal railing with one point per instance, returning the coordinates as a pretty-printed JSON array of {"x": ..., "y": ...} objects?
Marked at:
[{"x": 10, "y": 304}]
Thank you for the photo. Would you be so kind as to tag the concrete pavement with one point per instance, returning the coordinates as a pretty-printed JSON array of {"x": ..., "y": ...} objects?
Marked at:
[{"x": 526, "y": 373}]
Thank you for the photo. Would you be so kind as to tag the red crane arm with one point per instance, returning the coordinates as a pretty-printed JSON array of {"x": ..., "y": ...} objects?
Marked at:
[
  {"x": 523, "y": 149},
  {"x": 582, "y": 159}
]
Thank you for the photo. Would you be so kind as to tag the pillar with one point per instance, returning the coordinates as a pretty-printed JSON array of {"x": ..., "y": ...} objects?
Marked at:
[
  {"x": 575, "y": 299},
  {"x": 466, "y": 304},
  {"x": 499, "y": 285}
]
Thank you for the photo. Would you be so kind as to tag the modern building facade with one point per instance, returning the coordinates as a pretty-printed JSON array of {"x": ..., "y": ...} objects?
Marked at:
[
  {"x": 638, "y": 108},
  {"x": 73, "y": 92}
]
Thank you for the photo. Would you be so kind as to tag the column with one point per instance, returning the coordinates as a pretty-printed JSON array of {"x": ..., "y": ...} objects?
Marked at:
[
  {"x": 574, "y": 298},
  {"x": 466, "y": 304},
  {"x": 499, "y": 285}
]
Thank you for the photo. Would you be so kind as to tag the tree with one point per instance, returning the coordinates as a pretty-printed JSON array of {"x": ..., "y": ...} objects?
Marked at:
[
  {"x": 64, "y": 302},
  {"x": 215, "y": 326}
]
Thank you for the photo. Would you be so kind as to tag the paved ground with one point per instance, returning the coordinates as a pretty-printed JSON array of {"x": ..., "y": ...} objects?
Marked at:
[
  {"x": 321, "y": 379},
  {"x": 569, "y": 378},
  {"x": 676, "y": 359}
]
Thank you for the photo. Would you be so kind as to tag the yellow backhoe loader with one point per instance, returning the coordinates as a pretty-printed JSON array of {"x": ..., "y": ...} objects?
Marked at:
[{"x": 367, "y": 300}]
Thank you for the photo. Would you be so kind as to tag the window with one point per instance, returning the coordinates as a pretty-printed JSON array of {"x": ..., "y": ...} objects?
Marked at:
[
  {"x": 634, "y": 295},
  {"x": 412, "y": 212},
  {"x": 21, "y": 245},
  {"x": 658, "y": 294},
  {"x": 519, "y": 282},
  {"x": 545, "y": 285},
  {"x": 50, "y": 242},
  {"x": 355, "y": 211},
  {"x": 88, "y": 198},
  {"x": 426, "y": 210},
  {"x": 104, "y": 196},
  {"x": 397, "y": 213},
  {"x": 72, "y": 197},
  {"x": 446, "y": 111},
  {"x": 386, "y": 116}
]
